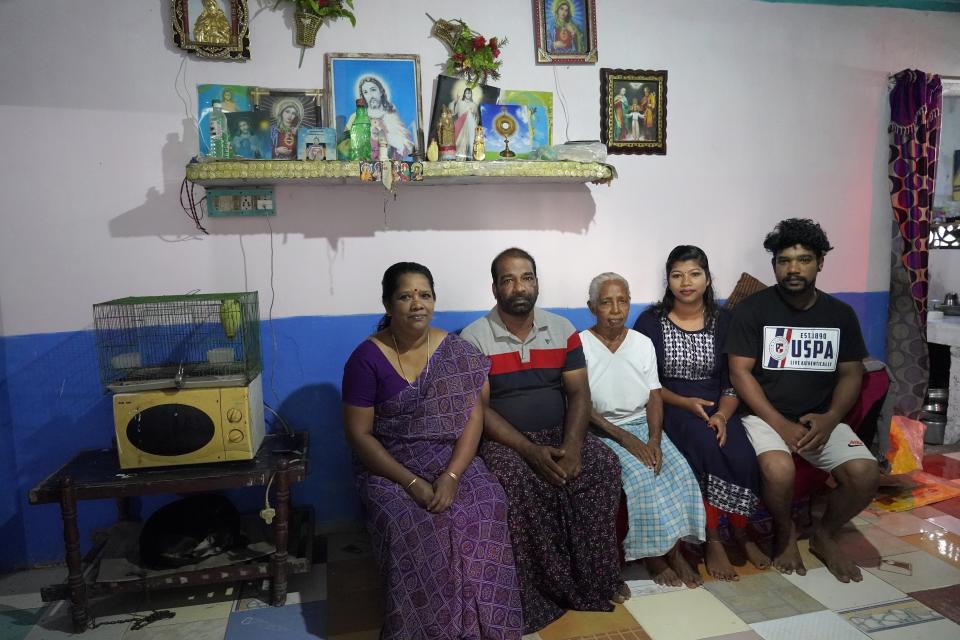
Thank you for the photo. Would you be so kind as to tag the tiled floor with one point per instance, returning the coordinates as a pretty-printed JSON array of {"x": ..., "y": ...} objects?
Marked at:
[{"x": 911, "y": 589}]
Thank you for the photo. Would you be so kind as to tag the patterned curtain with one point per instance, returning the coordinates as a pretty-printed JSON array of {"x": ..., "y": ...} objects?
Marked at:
[{"x": 914, "y": 139}]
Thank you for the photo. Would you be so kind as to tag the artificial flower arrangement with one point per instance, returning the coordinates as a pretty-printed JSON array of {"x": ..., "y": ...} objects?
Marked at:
[
  {"x": 311, "y": 14},
  {"x": 471, "y": 55}
]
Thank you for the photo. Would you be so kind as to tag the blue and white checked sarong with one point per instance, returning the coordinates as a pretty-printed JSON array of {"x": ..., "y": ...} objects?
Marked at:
[{"x": 661, "y": 509}]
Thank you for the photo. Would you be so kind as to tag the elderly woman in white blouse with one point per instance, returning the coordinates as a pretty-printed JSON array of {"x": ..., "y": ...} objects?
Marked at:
[{"x": 664, "y": 504}]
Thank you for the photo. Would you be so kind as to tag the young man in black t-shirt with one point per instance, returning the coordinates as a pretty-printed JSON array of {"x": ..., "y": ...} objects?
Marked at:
[{"x": 796, "y": 362}]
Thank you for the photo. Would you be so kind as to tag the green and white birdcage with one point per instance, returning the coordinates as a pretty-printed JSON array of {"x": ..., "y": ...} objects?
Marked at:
[{"x": 185, "y": 341}]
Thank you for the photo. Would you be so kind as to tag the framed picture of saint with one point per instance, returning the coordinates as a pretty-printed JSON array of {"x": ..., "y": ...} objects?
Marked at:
[
  {"x": 288, "y": 110},
  {"x": 565, "y": 31},
  {"x": 212, "y": 28},
  {"x": 463, "y": 99},
  {"x": 633, "y": 111},
  {"x": 390, "y": 85}
]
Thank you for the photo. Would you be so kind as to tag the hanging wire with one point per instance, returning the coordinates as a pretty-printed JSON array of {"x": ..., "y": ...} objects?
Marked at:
[
  {"x": 563, "y": 104},
  {"x": 195, "y": 209}
]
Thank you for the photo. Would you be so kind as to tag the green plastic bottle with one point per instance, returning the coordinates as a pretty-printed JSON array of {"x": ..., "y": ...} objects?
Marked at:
[
  {"x": 360, "y": 148},
  {"x": 219, "y": 134}
]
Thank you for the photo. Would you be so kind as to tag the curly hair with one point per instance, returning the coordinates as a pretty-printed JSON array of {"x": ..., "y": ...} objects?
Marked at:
[{"x": 794, "y": 231}]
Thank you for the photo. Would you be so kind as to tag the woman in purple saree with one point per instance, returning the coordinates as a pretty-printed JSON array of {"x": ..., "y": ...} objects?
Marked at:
[{"x": 437, "y": 516}]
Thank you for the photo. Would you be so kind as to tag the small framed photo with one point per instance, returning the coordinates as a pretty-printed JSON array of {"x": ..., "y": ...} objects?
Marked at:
[
  {"x": 212, "y": 28},
  {"x": 316, "y": 144},
  {"x": 633, "y": 111},
  {"x": 390, "y": 84},
  {"x": 289, "y": 110},
  {"x": 565, "y": 31}
]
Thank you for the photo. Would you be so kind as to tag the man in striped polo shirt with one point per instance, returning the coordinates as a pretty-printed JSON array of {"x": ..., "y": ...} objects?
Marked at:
[{"x": 562, "y": 484}]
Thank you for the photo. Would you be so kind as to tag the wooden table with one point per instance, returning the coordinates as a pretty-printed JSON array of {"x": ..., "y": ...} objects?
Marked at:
[{"x": 96, "y": 474}]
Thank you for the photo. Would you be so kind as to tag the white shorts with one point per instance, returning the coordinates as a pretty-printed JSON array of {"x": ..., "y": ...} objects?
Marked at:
[{"x": 843, "y": 446}]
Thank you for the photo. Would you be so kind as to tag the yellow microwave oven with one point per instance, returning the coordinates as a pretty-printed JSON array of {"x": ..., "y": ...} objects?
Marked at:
[{"x": 188, "y": 426}]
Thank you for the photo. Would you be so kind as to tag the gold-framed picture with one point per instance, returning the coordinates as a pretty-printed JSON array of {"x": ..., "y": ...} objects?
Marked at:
[{"x": 216, "y": 29}]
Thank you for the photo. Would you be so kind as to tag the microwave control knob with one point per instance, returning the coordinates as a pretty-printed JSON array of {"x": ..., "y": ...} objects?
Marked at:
[
  {"x": 235, "y": 436},
  {"x": 234, "y": 415}
]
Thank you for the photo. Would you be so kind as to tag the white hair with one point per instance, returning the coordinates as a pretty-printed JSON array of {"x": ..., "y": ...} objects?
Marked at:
[{"x": 597, "y": 283}]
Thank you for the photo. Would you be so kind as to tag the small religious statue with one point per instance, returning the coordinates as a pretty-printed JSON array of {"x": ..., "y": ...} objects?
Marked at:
[
  {"x": 211, "y": 26},
  {"x": 433, "y": 151},
  {"x": 448, "y": 146},
  {"x": 479, "y": 144}
]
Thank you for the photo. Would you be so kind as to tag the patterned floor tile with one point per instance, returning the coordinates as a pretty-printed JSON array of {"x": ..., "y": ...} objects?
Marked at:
[
  {"x": 594, "y": 624},
  {"x": 762, "y": 597},
  {"x": 197, "y": 630},
  {"x": 950, "y": 523},
  {"x": 820, "y": 624},
  {"x": 949, "y": 507},
  {"x": 926, "y": 572},
  {"x": 56, "y": 623},
  {"x": 943, "y": 466},
  {"x": 821, "y": 585},
  {"x": 21, "y": 590},
  {"x": 866, "y": 546},
  {"x": 904, "y": 524},
  {"x": 191, "y": 604},
  {"x": 810, "y": 561},
  {"x": 945, "y": 601},
  {"x": 303, "y": 587},
  {"x": 668, "y": 616},
  {"x": 15, "y": 624},
  {"x": 937, "y": 630},
  {"x": 944, "y": 545},
  {"x": 306, "y": 621},
  {"x": 929, "y": 512},
  {"x": 889, "y": 615}
]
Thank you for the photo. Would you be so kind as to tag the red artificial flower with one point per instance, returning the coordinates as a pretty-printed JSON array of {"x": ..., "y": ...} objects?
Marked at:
[
  {"x": 494, "y": 48},
  {"x": 458, "y": 56},
  {"x": 479, "y": 42}
]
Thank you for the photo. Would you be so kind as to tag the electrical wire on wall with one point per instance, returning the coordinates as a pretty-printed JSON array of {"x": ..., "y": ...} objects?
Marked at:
[
  {"x": 195, "y": 209},
  {"x": 563, "y": 105},
  {"x": 273, "y": 331}
]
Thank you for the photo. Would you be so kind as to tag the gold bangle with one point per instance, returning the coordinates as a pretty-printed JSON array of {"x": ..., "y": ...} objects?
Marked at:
[
  {"x": 453, "y": 475},
  {"x": 407, "y": 488}
]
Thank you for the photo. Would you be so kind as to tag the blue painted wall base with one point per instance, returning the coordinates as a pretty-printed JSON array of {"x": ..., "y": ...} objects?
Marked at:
[{"x": 52, "y": 405}]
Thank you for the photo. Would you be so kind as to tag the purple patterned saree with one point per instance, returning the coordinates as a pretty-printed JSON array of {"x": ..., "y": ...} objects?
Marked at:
[{"x": 449, "y": 575}]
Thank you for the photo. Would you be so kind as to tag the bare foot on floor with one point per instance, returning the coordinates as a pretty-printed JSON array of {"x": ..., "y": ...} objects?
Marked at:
[
  {"x": 622, "y": 595},
  {"x": 717, "y": 562},
  {"x": 829, "y": 552},
  {"x": 754, "y": 553},
  {"x": 786, "y": 555},
  {"x": 682, "y": 568},
  {"x": 662, "y": 573}
]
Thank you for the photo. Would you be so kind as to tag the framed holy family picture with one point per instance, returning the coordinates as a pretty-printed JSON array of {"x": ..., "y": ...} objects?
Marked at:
[
  {"x": 633, "y": 111},
  {"x": 565, "y": 31},
  {"x": 390, "y": 85}
]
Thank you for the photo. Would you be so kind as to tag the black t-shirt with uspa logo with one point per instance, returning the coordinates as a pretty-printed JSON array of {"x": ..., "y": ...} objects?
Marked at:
[{"x": 796, "y": 351}]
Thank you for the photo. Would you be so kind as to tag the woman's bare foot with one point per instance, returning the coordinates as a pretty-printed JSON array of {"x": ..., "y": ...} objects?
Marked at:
[
  {"x": 751, "y": 549},
  {"x": 786, "y": 555},
  {"x": 829, "y": 552},
  {"x": 717, "y": 562},
  {"x": 622, "y": 595},
  {"x": 662, "y": 573},
  {"x": 682, "y": 568}
]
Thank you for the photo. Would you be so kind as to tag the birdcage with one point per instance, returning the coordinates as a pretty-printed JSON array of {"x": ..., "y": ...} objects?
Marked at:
[{"x": 187, "y": 341}]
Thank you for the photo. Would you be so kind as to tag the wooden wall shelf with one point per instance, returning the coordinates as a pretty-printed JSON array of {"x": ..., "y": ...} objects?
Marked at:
[{"x": 224, "y": 173}]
